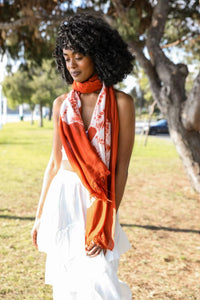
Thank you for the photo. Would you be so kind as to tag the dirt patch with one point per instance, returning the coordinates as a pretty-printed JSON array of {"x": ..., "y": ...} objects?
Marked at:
[{"x": 161, "y": 215}]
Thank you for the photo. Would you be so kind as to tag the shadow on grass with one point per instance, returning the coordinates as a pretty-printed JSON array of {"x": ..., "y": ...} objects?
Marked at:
[
  {"x": 152, "y": 227},
  {"x": 16, "y": 143},
  {"x": 149, "y": 227},
  {"x": 17, "y": 218}
]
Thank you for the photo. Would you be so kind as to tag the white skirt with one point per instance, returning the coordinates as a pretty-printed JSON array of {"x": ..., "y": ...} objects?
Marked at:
[{"x": 61, "y": 235}]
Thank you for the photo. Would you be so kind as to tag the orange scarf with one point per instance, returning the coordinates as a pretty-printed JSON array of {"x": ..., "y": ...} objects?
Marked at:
[{"x": 93, "y": 157}]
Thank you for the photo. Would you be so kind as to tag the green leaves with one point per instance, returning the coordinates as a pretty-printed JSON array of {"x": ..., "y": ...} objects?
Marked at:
[
  {"x": 33, "y": 85},
  {"x": 17, "y": 89}
]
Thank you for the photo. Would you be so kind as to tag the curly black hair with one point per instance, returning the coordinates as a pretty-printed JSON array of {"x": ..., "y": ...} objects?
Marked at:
[{"x": 91, "y": 35}]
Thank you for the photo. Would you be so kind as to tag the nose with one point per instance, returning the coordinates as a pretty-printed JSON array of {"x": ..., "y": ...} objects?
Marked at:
[{"x": 72, "y": 64}]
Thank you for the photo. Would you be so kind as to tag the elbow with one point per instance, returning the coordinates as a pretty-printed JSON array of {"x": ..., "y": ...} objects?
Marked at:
[
  {"x": 53, "y": 168},
  {"x": 55, "y": 171}
]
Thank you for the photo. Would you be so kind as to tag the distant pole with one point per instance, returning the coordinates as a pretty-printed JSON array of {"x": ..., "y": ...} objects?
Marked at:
[
  {"x": 4, "y": 110},
  {"x": 21, "y": 112}
]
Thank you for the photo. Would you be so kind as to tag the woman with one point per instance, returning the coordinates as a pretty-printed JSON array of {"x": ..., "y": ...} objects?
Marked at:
[{"x": 76, "y": 223}]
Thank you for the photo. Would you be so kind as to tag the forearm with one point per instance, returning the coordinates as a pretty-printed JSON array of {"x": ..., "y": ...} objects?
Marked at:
[{"x": 120, "y": 183}]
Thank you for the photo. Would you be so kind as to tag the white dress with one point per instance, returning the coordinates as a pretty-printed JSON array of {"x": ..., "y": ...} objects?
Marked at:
[{"x": 61, "y": 235}]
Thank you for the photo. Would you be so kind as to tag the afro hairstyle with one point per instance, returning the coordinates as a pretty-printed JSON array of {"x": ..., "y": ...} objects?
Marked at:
[{"x": 90, "y": 35}]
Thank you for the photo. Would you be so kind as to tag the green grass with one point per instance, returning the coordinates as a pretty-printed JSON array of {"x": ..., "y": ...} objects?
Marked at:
[
  {"x": 162, "y": 264},
  {"x": 24, "y": 153}
]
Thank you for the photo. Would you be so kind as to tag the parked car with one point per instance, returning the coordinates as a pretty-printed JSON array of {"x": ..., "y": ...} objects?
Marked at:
[{"x": 160, "y": 126}]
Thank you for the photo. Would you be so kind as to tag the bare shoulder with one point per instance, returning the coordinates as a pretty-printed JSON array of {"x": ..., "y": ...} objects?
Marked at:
[
  {"x": 58, "y": 102},
  {"x": 57, "y": 105},
  {"x": 125, "y": 102}
]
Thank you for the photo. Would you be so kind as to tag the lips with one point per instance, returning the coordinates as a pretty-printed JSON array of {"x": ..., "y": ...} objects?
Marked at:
[{"x": 75, "y": 74}]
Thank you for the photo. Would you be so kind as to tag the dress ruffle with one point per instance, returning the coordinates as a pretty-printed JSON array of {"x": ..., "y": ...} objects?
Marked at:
[{"x": 62, "y": 236}]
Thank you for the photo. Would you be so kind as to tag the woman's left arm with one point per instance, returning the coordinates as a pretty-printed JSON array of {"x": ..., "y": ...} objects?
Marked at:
[{"x": 126, "y": 114}]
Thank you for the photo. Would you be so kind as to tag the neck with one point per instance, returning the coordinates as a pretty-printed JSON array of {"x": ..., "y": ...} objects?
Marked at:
[{"x": 92, "y": 85}]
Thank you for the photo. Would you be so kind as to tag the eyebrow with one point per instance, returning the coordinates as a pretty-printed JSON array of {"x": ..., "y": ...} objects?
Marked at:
[{"x": 74, "y": 52}]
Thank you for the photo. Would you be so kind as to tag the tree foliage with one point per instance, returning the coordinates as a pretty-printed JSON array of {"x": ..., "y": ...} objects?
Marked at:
[
  {"x": 17, "y": 89},
  {"x": 27, "y": 28},
  {"x": 34, "y": 85}
]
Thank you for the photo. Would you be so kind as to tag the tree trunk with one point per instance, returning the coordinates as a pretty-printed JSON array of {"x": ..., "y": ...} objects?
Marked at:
[
  {"x": 41, "y": 116},
  {"x": 50, "y": 112},
  {"x": 167, "y": 83},
  {"x": 32, "y": 120},
  {"x": 187, "y": 144}
]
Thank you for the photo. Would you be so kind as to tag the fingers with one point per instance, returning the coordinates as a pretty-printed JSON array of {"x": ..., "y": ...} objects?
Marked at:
[
  {"x": 34, "y": 232},
  {"x": 34, "y": 239},
  {"x": 93, "y": 250}
]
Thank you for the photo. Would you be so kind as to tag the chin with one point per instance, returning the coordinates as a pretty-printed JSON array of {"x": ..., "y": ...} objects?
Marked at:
[
  {"x": 78, "y": 79},
  {"x": 81, "y": 79}
]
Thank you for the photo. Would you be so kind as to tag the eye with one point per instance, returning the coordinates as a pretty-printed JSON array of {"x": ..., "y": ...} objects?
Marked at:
[
  {"x": 67, "y": 59},
  {"x": 79, "y": 57}
]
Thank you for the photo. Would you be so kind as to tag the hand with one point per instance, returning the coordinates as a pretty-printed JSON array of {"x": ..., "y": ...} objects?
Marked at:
[
  {"x": 93, "y": 249},
  {"x": 34, "y": 232}
]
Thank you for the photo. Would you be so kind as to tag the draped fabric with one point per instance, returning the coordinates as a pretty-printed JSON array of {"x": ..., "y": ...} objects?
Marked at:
[{"x": 93, "y": 156}]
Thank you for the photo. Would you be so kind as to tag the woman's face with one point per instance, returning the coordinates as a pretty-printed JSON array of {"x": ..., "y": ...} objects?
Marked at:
[{"x": 80, "y": 67}]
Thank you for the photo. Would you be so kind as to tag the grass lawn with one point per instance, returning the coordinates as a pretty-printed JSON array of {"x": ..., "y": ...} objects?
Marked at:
[{"x": 160, "y": 214}]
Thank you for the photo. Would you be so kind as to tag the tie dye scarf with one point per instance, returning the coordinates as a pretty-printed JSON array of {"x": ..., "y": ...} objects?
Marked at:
[{"x": 93, "y": 156}]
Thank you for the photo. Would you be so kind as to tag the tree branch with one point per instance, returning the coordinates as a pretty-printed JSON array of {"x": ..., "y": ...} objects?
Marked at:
[
  {"x": 15, "y": 24},
  {"x": 164, "y": 67},
  {"x": 180, "y": 41},
  {"x": 156, "y": 31},
  {"x": 172, "y": 75},
  {"x": 30, "y": 20},
  {"x": 148, "y": 68},
  {"x": 121, "y": 10},
  {"x": 158, "y": 20},
  {"x": 177, "y": 42}
]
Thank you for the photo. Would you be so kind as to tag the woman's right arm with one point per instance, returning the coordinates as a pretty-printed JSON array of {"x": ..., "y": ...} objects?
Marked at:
[{"x": 52, "y": 167}]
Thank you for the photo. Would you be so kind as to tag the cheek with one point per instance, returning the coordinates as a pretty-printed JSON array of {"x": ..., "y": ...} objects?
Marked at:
[
  {"x": 66, "y": 65},
  {"x": 90, "y": 66},
  {"x": 86, "y": 65}
]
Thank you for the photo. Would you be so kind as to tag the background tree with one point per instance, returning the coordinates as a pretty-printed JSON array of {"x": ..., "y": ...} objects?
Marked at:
[
  {"x": 34, "y": 85},
  {"x": 17, "y": 90},
  {"x": 47, "y": 85},
  {"x": 168, "y": 79}
]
